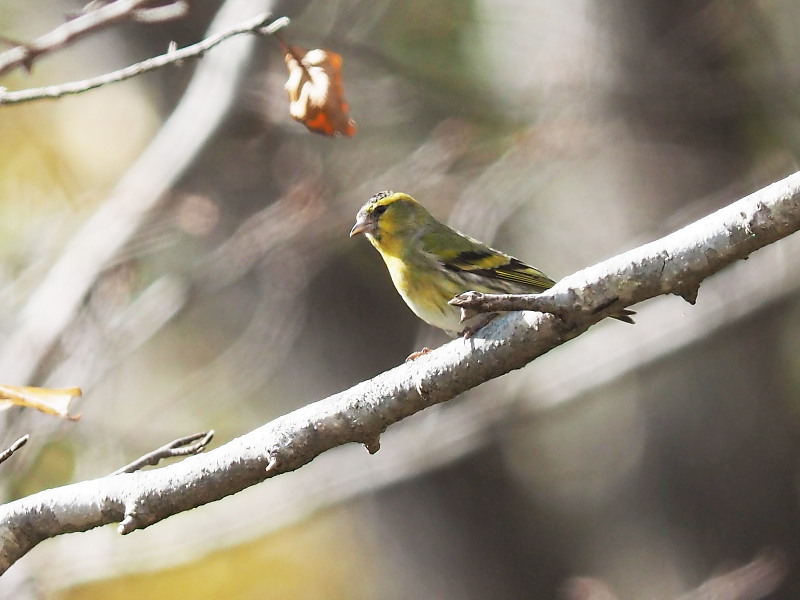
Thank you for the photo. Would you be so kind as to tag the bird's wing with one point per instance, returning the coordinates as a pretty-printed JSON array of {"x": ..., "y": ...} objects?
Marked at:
[{"x": 458, "y": 252}]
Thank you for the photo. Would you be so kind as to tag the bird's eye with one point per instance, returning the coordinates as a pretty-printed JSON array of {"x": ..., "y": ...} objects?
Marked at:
[{"x": 379, "y": 210}]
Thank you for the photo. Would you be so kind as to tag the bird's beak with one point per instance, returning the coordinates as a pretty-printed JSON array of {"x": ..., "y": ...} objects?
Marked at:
[{"x": 363, "y": 225}]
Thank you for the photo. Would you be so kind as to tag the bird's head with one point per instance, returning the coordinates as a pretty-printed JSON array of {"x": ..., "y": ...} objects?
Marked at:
[{"x": 390, "y": 216}]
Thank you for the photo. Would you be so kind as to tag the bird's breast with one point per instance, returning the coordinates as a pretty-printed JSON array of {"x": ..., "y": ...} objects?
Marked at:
[{"x": 423, "y": 291}]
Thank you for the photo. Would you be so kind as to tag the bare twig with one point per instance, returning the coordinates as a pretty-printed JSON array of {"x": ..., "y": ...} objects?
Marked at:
[
  {"x": 6, "y": 454},
  {"x": 361, "y": 414},
  {"x": 112, "y": 13},
  {"x": 257, "y": 24},
  {"x": 473, "y": 303},
  {"x": 185, "y": 446}
]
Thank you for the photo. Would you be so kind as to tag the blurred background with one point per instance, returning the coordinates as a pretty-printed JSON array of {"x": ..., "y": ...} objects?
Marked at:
[{"x": 644, "y": 460}]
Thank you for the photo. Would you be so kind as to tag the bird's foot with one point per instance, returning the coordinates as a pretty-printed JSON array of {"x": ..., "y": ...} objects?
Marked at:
[
  {"x": 418, "y": 353},
  {"x": 478, "y": 322}
]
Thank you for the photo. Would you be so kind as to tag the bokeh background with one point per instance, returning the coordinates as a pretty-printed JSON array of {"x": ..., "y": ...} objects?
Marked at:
[{"x": 649, "y": 458}]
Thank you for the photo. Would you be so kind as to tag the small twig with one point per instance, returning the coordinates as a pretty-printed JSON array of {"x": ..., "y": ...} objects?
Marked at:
[
  {"x": 290, "y": 50},
  {"x": 23, "y": 55},
  {"x": 181, "y": 447},
  {"x": 13, "y": 448},
  {"x": 474, "y": 303},
  {"x": 566, "y": 307},
  {"x": 257, "y": 25}
]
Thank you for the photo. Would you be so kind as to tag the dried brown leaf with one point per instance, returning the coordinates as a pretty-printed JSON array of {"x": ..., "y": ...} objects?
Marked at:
[{"x": 316, "y": 91}]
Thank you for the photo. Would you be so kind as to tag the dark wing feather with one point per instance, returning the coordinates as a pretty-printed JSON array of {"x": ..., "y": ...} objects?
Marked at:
[{"x": 495, "y": 265}]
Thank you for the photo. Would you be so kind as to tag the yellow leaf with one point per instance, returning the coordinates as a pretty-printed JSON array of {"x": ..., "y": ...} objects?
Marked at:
[{"x": 48, "y": 400}]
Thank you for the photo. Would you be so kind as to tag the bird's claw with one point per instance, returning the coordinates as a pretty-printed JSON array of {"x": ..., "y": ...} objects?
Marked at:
[{"x": 418, "y": 353}]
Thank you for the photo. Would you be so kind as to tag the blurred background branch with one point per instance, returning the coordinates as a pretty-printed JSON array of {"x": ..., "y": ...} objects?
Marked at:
[
  {"x": 206, "y": 101},
  {"x": 756, "y": 579}
]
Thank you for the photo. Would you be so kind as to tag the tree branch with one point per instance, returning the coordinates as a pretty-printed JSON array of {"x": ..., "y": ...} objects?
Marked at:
[
  {"x": 409, "y": 451},
  {"x": 112, "y": 13},
  {"x": 8, "y": 452},
  {"x": 185, "y": 446},
  {"x": 257, "y": 24},
  {"x": 674, "y": 264},
  {"x": 473, "y": 303}
]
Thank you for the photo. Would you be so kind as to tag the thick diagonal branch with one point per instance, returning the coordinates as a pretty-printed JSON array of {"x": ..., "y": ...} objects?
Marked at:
[{"x": 674, "y": 264}]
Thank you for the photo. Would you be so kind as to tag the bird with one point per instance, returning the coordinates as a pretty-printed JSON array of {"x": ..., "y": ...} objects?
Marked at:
[{"x": 431, "y": 263}]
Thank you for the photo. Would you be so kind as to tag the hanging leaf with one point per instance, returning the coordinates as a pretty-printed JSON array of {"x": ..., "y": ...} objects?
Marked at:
[
  {"x": 316, "y": 92},
  {"x": 48, "y": 400}
]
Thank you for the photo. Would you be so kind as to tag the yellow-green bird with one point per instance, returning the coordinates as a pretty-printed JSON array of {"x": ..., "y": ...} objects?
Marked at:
[{"x": 430, "y": 263}]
